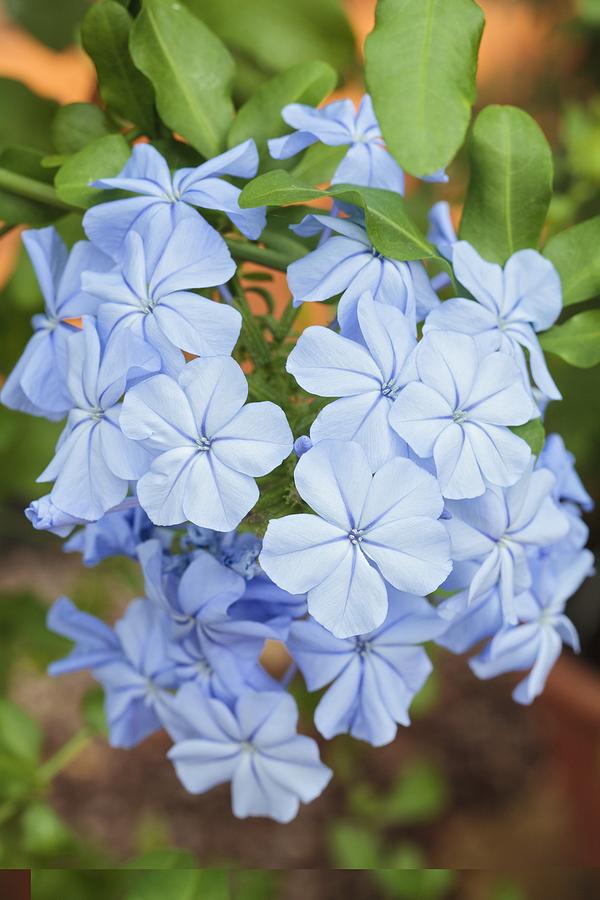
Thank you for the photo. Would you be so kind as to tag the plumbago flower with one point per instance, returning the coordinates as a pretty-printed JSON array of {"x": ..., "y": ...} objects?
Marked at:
[
  {"x": 148, "y": 292},
  {"x": 37, "y": 383},
  {"x": 346, "y": 263},
  {"x": 374, "y": 676},
  {"x": 208, "y": 446},
  {"x": 94, "y": 460},
  {"x": 458, "y": 412},
  {"x": 166, "y": 199},
  {"x": 497, "y": 529},
  {"x": 338, "y": 124},
  {"x": 510, "y": 306},
  {"x": 368, "y": 528},
  {"x": 130, "y": 662},
  {"x": 253, "y": 745},
  {"x": 366, "y": 376}
]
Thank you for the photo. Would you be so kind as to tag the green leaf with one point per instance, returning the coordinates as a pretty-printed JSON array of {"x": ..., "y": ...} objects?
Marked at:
[
  {"x": 577, "y": 341},
  {"x": 533, "y": 433},
  {"x": 16, "y": 209},
  {"x": 169, "y": 858},
  {"x": 76, "y": 125},
  {"x": 103, "y": 158},
  {"x": 105, "y": 32},
  {"x": 575, "y": 253},
  {"x": 277, "y": 34},
  {"x": 260, "y": 118},
  {"x": 26, "y": 118},
  {"x": 20, "y": 736},
  {"x": 191, "y": 71},
  {"x": 53, "y": 23},
  {"x": 421, "y": 61},
  {"x": 511, "y": 183},
  {"x": 388, "y": 224},
  {"x": 44, "y": 833}
]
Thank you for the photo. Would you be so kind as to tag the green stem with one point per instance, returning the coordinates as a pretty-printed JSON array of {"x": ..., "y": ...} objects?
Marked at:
[
  {"x": 244, "y": 251},
  {"x": 31, "y": 188},
  {"x": 64, "y": 755}
]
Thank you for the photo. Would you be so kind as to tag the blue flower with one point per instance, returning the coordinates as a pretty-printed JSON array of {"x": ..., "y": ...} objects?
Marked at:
[
  {"x": 264, "y": 601},
  {"x": 458, "y": 412},
  {"x": 94, "y": 461},
  {"x": 37, "y": 383},
  {"x": 535, "y": 642},
  {"x": 131, "y": 663},
  {"x": 348, "y": 264},
  {"x": 337, "y": 124},
  {"x": 510, "y": 306},
  {"x": 208, "y": 447},
  {"x": 469, "y": 622},
  {"x": 568, "y": 486},
  {"x": 237, "y": 550},
  {"x": 441, "y": 230},
  {"x": 498, "y": 529},
  {"x": 367, "y": 376},
  {"x": 117, "y": 533},
  {"x": 368, "y": 528},
  {"x": 45, "y": 516},
  {"x": 165, "y": 199},
  {"x": 148, "y": 293},
  {"x": 254, "y": 746},
  {"x": 374, "y": 676}
]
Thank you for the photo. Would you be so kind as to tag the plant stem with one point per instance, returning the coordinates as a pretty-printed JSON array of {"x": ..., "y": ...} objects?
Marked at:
[
  {"x": 31, "y": 188},
  {"x": 244, "y": 251},
  {"x": 64, "y": 755}
]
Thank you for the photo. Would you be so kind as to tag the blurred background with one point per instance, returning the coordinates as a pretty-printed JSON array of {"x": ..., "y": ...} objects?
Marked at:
[{"x": 477, "y": 783}]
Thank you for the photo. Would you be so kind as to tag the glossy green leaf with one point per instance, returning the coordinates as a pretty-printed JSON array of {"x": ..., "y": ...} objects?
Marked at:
[
  {"x": 105, "y": 33},
  {"x": 103, "y": 158},
  {"x": 533, "y": 433},
  {"x": 76, "y": 125},
  {"x": 576, "y": 255},
  {"x": 16, "y": 209},
  {"x": 191, "y": 71},
  {"x": 510, "y": 184},
  {"x": 421, "y": 61},
  {"x": 260, "y": 118},
  {"x": 277, "y": 34},
  {"x": 388, "y": 224},
  {"x": 577, "y": 341},
  {"x": 26, "y": 118},
  {"x": 53, "y": 22}
]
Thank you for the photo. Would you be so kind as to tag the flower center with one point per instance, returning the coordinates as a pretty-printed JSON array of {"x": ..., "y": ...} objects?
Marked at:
[
  {"x": 459, "y": 416},
  {"x": 203, "y": 443},
  {"x": 355, "y": 536},
  {"x": 147, "y": 303},
  {"x": 362, "y": 647},
  {"x": 389, "y": 389},
  {"x": 96, "y": 414},
  {"x": 247, "y": 747}
]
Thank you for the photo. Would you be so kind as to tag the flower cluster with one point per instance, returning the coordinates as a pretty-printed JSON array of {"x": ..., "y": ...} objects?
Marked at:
[{"x": 417, "y": 513}]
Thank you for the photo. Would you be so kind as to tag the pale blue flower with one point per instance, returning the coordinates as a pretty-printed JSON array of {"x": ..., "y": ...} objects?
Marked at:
[
  {"x": 510, "y": 306},
  {"x": 208, "y": 446},
  {"x": 535, "y": 642},
  {"x": 254, "y": 746},
  {"x": 441, "y": 230},
  {"x": 94, "y": 461},
  {"x": 131, "y": 663},
  {"x": 368, "y": 528},
  {"x": 568, "y": 486},
  {"x": 45, "y": 516},
  {"x": 499, "y": 528},
  {"x": 470, "y": 621},
  {"x": 37, "y": 383},
  {"x": 237, "y": 550},
  {"x": 337, "y": 124},
  {"x": 148, "y": 294},
  {"x": 373, "y": 677},
  {"x": 348, "y": 264},
  {"x": 117, "y": 533},
  {"x": 459, "y": 412},
  {"x": 165, "y": 199},
  {"x": 366, "y": 376}
]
